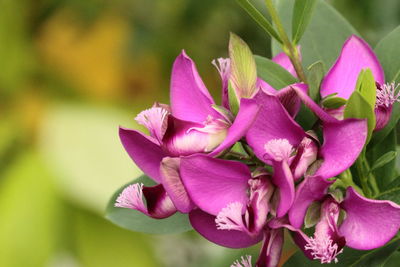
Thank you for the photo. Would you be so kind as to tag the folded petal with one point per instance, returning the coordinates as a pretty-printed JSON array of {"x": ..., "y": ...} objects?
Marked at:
[
  {"x": 204, "y": 223},
  {"x": 290, "y": 99},
  {"x": 172, "y": 183},
  {"x": 343, "y": 142},
  {"x": 369, "y": 223},
  {"x": 143, "y": 151},
  {"x": 247, "y": 114},
  {"x": 313, "y": 188},
  {"x": 271, "y": 249},
  {"x": 355, "y": 56},
  {"x": 283, "y": 179},
  {"x": 213, "y": 184},
  {"x": 272, "y": 122},
  {"x": 190, "y": 99}
]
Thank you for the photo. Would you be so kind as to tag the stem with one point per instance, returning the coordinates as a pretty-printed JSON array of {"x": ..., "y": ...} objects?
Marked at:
[
  {"x": 288, "y": 47},
  {"x": 363, "y": 178},
  {"x": 367, "y": 178}
]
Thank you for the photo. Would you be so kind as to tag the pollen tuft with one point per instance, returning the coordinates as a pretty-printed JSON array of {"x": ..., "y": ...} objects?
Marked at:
[
  {"x": 223, "y": 65},
  {"x": 387, "y": 95},
  {"x": 279, "y": 149},
  {"x": 323, "y": 249},
  {"x": 244, "y": 262},
  {"x": 132, "y": 198},
  {"x": 155, "y": 119},
  {"x": 230, "y": 217}
]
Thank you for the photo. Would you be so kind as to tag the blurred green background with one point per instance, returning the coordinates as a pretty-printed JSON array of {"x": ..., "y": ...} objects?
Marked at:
[{"x": 71, "y": 72}]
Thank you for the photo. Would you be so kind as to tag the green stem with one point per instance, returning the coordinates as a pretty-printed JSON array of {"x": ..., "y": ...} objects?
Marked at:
[
  {"x": 367, "y": 178},
  {"x": 288, "y": 47},
  {"x": 363, "y": 177}
]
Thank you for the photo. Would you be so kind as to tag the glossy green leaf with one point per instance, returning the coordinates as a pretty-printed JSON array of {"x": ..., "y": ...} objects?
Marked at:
[
  {"x": 392, "y": 192},
  {"x": 316, "y": 73},
  {"x": 388, "y": 54},
  {"x": 273, "y": 74},
  {"x": 384, "y": 159},
  {"x": 137, "y": 221},
  {"x": 243, "y": 67},
  {"x": 259, "y": 18},
  {"x": 302, "y": 13},
  {"x": 323, "y": 38},
  {"x": 350, "y": 257},
  {"x": 357, "y": 107}
]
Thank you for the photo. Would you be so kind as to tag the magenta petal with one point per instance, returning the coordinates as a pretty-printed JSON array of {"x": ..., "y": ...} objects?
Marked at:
[
  {"x": 283, "y": 60},
  {"x": 145, "y": 153},
  {"x": 213, "y": 184},
  {"x": 355, "y": 56},
  {"x": 290, "y": 99},
  {"x": 283, "y": 179},
  {"x": 382, "y": 115},
  {"x": 204, "y": 223},
  {"x": 247, "y": 114},
  {"x": 190, "y": 99},
  {"x": 272, "y": 122},
  {"x": 369, "y": 223},
  {"x": 271, "y": 249},
  {"x": 311, "y": 189},
  {"x": 343, "y": 142},
  {"x": 172, "y": 183}
]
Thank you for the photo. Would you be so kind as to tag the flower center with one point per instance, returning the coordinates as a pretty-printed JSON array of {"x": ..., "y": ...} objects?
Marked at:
[
  {"x": 223, "y": 65},
  {"x": 155, "y": 119},
  {"x": 323, "y": 249},
  {"x": 244, "y": 262},
  {"x": 387, "y": 94},
  {"x": 132, "y": 198}
]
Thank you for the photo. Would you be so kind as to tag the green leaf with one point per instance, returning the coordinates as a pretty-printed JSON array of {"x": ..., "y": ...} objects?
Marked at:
[
  {"x": 302, "y": 13},
  {"x": 316, "y": 73},
  {"x": 392, "y": 192},
  {"x": 273, "y": 74},
  {"x": 383, "y": 160},
  {"x": 233, "y": 99},
  {"x": 388, "y": 54},
  {"x": 350, "y": 257},
  {"x": 333, "y": 102},
  {"x": 137, "y": 221},
  {"x": 259, "y": 18},
  {"x": 313, "y": 214},
  {"x": 366, "y": 86},
  {"x": 323, "y": 38},
  {"x": 357, "y": 107}
]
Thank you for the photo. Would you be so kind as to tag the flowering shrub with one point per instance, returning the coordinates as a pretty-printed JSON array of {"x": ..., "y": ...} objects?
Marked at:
[{"x": 286, "y": 149}]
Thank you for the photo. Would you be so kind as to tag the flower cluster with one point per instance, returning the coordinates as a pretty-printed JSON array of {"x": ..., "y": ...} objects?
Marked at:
[{"x": 246, "y": 170}]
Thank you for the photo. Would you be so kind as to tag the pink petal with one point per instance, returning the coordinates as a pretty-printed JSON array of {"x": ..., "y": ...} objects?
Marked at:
[
  {"x": 272, "y": 122},
  {"x": 204, "y": 223},
  {"x": 283, "y": 179},
  {"x": 144, "y": 152},
  {"x": 271, "y": 250},
  {"x": 369, "y": 223},
  {"x": 311, "y": 189},
  {"x": 343, "y": 143},
  {"x": 283, "y": 60},
  {"x": 190, "y": 99},
  {"x": 355, "y": 56},
  {"x": 213, "y": 184}
]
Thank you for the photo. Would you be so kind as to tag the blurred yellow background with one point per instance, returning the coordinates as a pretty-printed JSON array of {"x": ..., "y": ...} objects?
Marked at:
[{"x": 71, "y": 72}]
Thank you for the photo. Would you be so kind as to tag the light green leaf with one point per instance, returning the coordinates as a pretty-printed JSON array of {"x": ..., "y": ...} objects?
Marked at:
[
  {"x": 333, "y": 102},
  {"x": 388, "y": 54},
  {"x": 243, "y": 67},
  {"x": 273, "y": 74},
  {"x": 357, "y": 107},
  {"x": 302, "y": 13},
  {"x": 323, "y": 38},
  {"x": 366, "y": 86},
  {"x": 82, "y": 147},
  {"x": 137, "y": 221},
  {"x": 350, "y": 257},
  {"x": 259, "y": 18},
  {"x": 316, "y": 73}
]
